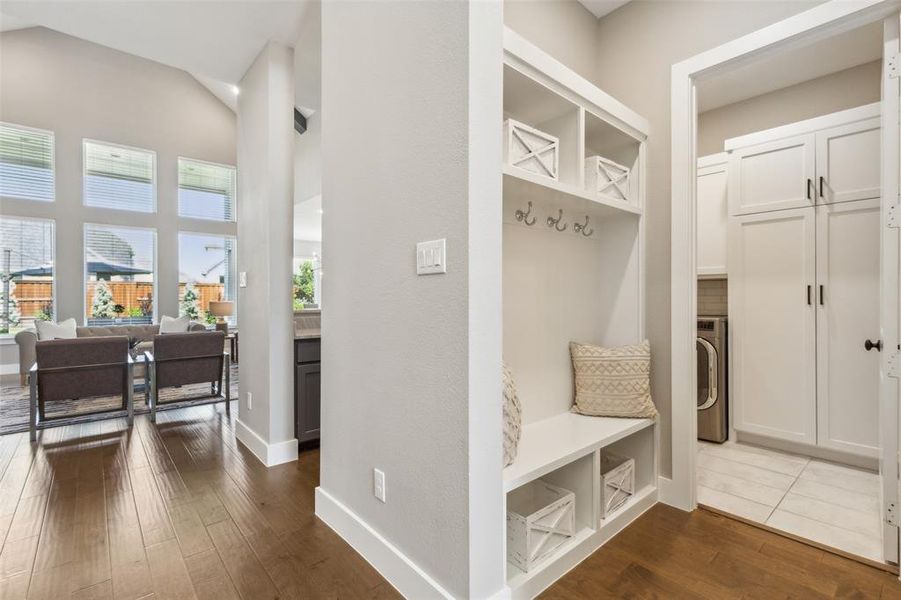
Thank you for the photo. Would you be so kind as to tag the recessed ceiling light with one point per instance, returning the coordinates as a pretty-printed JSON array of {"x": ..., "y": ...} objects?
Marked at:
[{"x": 236, "y": 90}]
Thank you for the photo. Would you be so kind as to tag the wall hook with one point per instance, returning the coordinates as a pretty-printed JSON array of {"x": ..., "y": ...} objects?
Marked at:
[
  {"x": 555, "y": 223},
  {"x": 524, "y": 216},
  {"x": 583, "y": 228}
]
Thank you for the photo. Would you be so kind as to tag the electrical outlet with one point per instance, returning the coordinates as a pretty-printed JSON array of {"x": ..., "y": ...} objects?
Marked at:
[
  {"x": 378, "y": 484},
  {"x": 249, "y": 401}
]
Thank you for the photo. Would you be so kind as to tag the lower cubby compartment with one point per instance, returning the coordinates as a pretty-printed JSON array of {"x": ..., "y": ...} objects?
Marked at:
[{"x": 640, "y": 447}]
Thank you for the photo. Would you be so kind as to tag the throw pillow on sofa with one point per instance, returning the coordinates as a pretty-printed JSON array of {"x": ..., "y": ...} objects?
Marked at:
[
  {"x": 612, "y": 382},
  {"x": 173, "y": 325},
  {"x": 50, "y": 330}
]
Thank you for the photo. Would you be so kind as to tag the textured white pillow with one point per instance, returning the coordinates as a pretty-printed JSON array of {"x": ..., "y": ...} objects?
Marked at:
[
  {"x": 512, "y": 418},
  {"x": 612, "y": 382},
  {"x": 49, "y": 330},
  {"x": 173, "y": 325}
]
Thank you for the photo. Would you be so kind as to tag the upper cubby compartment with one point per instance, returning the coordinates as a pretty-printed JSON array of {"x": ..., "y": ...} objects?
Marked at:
[{"x": 566, "y": 142}]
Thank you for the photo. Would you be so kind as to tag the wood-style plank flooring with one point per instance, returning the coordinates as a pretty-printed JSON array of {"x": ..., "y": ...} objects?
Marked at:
[{"x": 181, "y": 510}]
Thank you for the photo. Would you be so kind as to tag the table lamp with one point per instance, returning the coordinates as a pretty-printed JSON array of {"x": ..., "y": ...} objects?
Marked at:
[{"x": 221, "y": 309}]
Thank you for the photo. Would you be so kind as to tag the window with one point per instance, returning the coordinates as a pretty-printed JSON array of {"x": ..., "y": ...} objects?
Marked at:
[
  {"x": 26, "y": 163},
  {"x": 26, "y": 273},
  {"x": 118, "y": 177},
  {"x": 307, "y": 281},
  {"x": 206, "y": 271},
  {"x": 206, "y": 190},
  {"x": 119, "y": 269}
]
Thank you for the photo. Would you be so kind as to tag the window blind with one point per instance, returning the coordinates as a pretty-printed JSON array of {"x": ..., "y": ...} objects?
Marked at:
[
  {"x": 206, "y": 190},
  {"x": 26, "y": 163},
  {"x": 118, "y": 178},
  {"x": 120, "y": 264}
]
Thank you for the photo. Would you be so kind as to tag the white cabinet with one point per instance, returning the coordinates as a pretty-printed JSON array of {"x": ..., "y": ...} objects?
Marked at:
[
  {"x": 848, "y": 162},
  {"x": 773, "y": 175},
  {"x": 772, "y": 324},
  {"x": 847, "y": 315},
  {"x": 713, "y": 214}
]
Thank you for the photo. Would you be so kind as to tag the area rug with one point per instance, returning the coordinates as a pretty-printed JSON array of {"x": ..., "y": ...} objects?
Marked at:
[{"x": 14, "y": 402}]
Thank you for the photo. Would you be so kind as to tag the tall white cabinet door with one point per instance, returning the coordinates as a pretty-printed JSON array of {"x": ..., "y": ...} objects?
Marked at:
[
  {"x": 772, "y": 176},
  {"x": 772, "y": 272},
  {"x": 848, "y": 258},
  {"x": 713, "y": 218},
  {"x": 848, "y": 162}
]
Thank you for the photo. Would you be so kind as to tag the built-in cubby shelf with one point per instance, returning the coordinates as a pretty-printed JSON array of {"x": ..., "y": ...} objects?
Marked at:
[{"x": 565, "y": 283}]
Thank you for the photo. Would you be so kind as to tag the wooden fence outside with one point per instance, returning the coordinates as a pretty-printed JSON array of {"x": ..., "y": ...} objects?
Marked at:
[{"x": 33, "y": 296}]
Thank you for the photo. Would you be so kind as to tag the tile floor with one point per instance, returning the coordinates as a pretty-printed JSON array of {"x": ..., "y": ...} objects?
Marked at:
[{"x": 831, "y": 504}]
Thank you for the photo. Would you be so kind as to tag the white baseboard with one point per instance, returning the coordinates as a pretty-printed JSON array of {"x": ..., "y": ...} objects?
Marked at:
[
  {"x": 268, "y": 454},
  {"x": 401, "y": 572}
]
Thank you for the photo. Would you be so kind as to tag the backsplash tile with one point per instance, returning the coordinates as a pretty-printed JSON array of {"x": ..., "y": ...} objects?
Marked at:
[{"x": 713, "y": 299}]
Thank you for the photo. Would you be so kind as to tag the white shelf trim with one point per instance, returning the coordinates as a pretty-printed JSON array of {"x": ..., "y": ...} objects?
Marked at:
[{"x": 554, "y": 189}]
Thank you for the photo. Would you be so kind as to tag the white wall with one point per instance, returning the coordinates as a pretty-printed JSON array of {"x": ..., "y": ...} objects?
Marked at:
[
  {"x": 265, "y": 233},
  {"x": 828, "y": 94},
  {"x": 411, "y": 365},
  {"x": 79, "y": 90}
]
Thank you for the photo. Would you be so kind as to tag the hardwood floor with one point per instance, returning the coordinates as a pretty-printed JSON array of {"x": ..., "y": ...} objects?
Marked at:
[{"x": 181, "y": 510}]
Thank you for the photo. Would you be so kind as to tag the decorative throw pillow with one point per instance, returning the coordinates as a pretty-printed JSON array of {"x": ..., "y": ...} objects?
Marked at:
[
  {"x": 48, "y": 330},
  {"x": 173, "y": 325},
  {"x": 512, "y": 418},
  {"x": 612, "y": 382}
]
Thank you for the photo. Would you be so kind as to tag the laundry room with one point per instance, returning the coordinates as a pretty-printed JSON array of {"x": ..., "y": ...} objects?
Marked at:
[{"x": 789, "y": 265}]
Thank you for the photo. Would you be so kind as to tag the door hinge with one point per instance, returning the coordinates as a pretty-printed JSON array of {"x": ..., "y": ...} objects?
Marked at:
[
  {"x": 894, "y": 216},
  {"x": 894, "y": 364},
  {"x": 891, "y": 514},
  {"x": 893, "y": 66}
]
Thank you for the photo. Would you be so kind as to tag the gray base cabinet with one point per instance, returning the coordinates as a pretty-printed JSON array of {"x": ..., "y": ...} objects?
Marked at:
[{"x": 307, "y": 370}]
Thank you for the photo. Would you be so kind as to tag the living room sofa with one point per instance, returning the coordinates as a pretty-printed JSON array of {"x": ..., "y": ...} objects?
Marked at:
[{"x": 27, "y": 339}]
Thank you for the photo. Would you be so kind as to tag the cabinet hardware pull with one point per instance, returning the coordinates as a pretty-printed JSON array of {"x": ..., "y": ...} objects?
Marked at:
[
  {"x": 868, "y": 345},
  {"x": 808, "y": 295},
  {"x": 809, "y": 183},
  {"x": 822, "y": 179},
  {"x": 821, "y": 295}
]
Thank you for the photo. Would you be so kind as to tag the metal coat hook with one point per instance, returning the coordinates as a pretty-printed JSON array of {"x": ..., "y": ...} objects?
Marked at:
[
  {"x": 524, "y": 216},
  {"x": 583, "y": 228},
  {"x": 555, "y": 223}
]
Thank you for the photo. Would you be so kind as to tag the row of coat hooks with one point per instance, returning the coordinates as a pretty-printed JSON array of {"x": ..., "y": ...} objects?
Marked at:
[{"x": 557, "y": 223}]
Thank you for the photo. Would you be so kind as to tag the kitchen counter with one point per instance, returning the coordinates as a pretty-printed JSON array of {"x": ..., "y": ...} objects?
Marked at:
[{"x": 307, "y": 334}]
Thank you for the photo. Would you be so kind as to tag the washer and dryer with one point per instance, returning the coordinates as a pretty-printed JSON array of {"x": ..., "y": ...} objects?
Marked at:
[{"x": 713, "y": 383}]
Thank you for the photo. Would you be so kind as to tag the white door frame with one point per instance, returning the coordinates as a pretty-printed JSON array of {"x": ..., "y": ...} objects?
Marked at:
[{"x": 820, "y": 22}]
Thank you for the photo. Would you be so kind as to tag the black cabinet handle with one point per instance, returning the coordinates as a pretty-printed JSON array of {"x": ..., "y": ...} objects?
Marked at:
[
  {"x": 809, "y": 183},
  {"x": 822, "y": 179},
  {"x": 821, "y": 295},
  {"x": 868, "y": 345},
  {"x": 808, "y": 295}
]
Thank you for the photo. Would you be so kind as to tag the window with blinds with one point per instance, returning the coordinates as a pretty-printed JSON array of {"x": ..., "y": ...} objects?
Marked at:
[
  {"x": 26, "y": 273},
  {"x": 26, "y": 163},
  {"x": 206, "y": 190},
  {"x": 206, "y": 271},
  {"x": 120, "y": 263},
  {"x": 118, "y": 177}
]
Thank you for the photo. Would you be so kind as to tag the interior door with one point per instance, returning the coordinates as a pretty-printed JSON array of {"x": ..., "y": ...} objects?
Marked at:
[
  {"x": 889, "y": 290},
  {"x": 772, "y": 271},
  {"x": 847, "y": 297},
  {"x": 713, "y": 218},
  {"x": 772, "y": 176},
  {"x": 848, "y": 162}
]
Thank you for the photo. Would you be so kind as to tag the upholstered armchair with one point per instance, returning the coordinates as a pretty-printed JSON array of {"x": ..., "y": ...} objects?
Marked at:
[
  {"x": 180, "y": 359},
  {"x": 77, "y": 369}
]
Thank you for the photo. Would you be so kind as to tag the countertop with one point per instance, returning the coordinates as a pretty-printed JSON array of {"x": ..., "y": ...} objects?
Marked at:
[{"x": 307, "y": 334}]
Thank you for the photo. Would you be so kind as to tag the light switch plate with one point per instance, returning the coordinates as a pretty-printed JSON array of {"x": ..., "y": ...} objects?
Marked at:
[
  {"x": 242, "y": 279},
  {"x": 431, "y": 258}
]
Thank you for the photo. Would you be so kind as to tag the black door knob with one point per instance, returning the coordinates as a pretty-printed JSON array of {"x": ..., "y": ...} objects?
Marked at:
[{"x": 870, "y": 345}]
